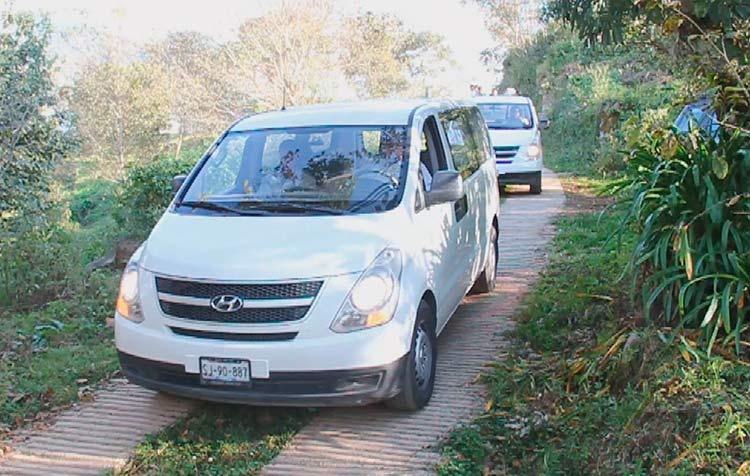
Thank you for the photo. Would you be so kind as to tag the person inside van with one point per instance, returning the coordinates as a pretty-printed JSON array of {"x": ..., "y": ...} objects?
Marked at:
[{"x": 520, "y": 117}]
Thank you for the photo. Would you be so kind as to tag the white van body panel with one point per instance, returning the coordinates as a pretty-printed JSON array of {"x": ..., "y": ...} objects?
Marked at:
[{"x": 230, "y": 250}]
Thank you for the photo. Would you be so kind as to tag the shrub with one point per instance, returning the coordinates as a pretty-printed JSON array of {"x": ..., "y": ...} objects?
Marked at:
[
  {"x": 35, "y": 263},
  {"x": 92, "y": 202},
  {"x": 689, "y": 197},
  {"x": 147, "y": 191}
]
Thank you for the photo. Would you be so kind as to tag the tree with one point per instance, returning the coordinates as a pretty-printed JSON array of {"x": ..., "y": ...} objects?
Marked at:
[
  {"x": 32, "y": 137},
  {"x": 711, "y": 37},
  {"x": 122, "y": 110},
  {"x": 513, "y": 24},
  {"x": 286, "y": 56},
  {"x": 202, "y": 101},
  {"x": 383, "y": 58}
]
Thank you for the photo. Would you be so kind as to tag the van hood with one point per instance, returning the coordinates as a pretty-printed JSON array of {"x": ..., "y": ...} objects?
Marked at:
[
  {"x": 501, "y": 137},
  {"x": 266, "y": 248}
]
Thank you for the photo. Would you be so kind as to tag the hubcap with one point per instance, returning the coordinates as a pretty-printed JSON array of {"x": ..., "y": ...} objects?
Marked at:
[{"x": 423, "y": 357}]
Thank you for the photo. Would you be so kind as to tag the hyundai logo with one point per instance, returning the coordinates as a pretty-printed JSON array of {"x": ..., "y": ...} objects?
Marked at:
[{"x": 226, "y": 303}]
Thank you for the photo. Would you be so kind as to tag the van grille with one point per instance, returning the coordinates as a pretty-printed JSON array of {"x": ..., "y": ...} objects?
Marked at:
[
  {"x": 191, "y": 300},
  {"x": 505, "y": 153},
  {"x": 260, "y": 315},
  {"x": 306, "y": 289}
]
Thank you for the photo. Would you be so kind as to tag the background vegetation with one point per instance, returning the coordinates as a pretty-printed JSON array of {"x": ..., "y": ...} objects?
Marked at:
[{"x": 631, "y": 353}]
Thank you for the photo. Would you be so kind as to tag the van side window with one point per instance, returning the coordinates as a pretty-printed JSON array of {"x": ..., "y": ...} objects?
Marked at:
[
  {"x": 481, "y": 134},
  {"x": 464, "y": 142},
  {"x": 431, "y": 155}
]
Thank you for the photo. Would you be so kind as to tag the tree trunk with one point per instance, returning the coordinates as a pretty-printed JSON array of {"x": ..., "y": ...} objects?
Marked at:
[{"x": 179, "y": 144}]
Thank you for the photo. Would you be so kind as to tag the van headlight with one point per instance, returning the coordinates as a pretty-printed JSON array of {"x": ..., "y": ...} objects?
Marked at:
[
  {"x": 372, "y": 301},
  {"x": 128, "y": 305},
  {"x": 533, "y": 152}
]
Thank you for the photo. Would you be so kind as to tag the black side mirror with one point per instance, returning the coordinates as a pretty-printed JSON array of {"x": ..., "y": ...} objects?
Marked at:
[
  {"x": 543, "y": 122},
  {"x": 177, "y": 182}
]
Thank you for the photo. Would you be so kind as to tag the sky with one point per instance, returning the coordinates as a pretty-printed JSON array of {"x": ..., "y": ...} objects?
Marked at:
[{"x": 459, "y": 21}]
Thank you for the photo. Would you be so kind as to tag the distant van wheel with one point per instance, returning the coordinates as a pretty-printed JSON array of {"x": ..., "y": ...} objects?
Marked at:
[
  {"x": 485, "y": 283},
  {"x": 418, "y": 379},
  {"x": 536, "y": 184}
]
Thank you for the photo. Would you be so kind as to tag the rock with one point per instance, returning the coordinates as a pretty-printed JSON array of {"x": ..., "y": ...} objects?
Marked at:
[
  {"x": 118, "y": 258},
  {"x": 609, "y": 117},
  {"x": 124, "y": 250}
]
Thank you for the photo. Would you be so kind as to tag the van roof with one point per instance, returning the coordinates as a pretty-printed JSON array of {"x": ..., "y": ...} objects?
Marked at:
[
  {"x": 373, "y": 112},
  {"x": 502, "y": 99}
]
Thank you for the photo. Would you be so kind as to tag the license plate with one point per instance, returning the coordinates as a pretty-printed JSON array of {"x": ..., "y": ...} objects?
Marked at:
[{"x": 224, "y": 371}]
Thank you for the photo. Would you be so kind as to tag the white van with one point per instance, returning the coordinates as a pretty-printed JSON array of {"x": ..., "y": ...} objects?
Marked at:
[
  {"x": 313, "y": 255},
  {"x": 515, "y": 131}
]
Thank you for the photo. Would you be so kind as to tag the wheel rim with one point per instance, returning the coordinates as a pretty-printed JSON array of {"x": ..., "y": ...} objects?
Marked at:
[{"x": 423, "y": 357}]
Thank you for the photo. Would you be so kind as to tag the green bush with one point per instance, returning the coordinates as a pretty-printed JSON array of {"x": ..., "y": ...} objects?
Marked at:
[
  {"x": 146, "y": 193},
  {"x": 92, "y": 202},
  {"x": 35, "y": 262},
  {"x": 689, "y": 197}
]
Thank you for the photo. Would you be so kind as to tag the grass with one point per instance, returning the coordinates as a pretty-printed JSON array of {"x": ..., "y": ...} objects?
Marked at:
[
  {"x": 53, "y": 355},
  {"x": 590, "y": 388},
  {"x": 218, "y": 439}
]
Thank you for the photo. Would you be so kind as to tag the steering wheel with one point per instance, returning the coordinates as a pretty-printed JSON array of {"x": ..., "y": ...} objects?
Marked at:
[{"x": 392, "y": 181}]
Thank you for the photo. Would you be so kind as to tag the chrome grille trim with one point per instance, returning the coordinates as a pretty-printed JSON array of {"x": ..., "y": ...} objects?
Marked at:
[{"x": 246, "y": 303}]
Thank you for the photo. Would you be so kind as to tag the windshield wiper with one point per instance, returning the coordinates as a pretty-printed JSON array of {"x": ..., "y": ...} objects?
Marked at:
[
  {"x": 294, "y": 206},
  {"x": 222, "y": 208}
]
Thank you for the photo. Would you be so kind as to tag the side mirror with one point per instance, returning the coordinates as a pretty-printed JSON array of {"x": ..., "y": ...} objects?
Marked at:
[
  {"x": 447, "y": 186},
  {"x": 543, "y": 122},
  {"x": 177, "y": 182}
]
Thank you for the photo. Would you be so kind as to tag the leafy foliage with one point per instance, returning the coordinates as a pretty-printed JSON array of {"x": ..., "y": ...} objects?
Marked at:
[
  {"x": 383, "y": 58},
  {"x": 608, "y": 21},
  {"x": 218, "y": 439},
  {"x": 31, "y": 145},
  {"x": 587, "y": 389},
  {"x": 31, "y": 141},
  {"x": 690, "y": 198},
  {"x": 202, "y": 97},
  {"x": 121, "y": 111},
  {"x": 146, "y": 192},
  {"x": 53, "y": 355}
]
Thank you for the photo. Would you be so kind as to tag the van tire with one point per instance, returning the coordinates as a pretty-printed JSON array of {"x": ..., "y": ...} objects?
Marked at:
[
  {"x": 485, "y": 283},
  {"x": 536, "y": 184},
  {"x": 416, "y": 392}
]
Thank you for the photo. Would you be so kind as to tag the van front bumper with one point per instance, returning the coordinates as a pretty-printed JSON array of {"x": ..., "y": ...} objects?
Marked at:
[
  {"x": 518, "y": 178},
  {"x": 309, "y": 389}
]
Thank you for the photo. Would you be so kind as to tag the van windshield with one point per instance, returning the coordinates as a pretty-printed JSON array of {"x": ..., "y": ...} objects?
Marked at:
[
  {"x": 335, "y": 170},
  {"x": 507, "y": 116}
]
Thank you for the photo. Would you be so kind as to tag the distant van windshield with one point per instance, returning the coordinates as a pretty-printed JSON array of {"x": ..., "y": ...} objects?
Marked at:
[
  {"x": 347, "y": 168},
  {"x": 507, "y": 116}
]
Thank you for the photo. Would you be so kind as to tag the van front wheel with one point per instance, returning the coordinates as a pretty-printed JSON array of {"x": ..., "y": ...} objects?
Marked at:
[
  {"x": 418, "y": 379},
  {"x": 485, "y": 283},
  {"x": 536, "y": 185}
]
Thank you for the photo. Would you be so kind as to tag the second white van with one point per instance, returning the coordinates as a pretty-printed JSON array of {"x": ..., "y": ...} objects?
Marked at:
[{"x": 515, "y": 132}]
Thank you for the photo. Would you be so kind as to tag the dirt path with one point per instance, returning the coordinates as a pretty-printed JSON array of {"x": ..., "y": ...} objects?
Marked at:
[
  {"x": 98, "y": 435},
  {"x": 375, "y": 440}
]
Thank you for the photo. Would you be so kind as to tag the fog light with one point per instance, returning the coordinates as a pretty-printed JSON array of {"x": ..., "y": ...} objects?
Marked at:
[{"x": 358, "y": 384}]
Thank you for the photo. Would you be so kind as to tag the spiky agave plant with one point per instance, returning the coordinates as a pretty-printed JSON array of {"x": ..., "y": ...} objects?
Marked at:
[{"x": 689, "y": 199}]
